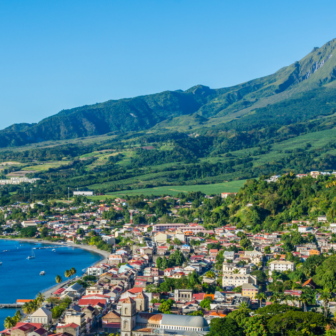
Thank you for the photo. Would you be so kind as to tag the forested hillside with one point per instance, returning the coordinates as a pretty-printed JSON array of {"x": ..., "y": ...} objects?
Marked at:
[{"x": 255, "y": 104}]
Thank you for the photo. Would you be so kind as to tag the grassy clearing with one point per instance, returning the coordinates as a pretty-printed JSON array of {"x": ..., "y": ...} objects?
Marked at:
[
  {"x": 209, "y": 189},
  {"x": 46, "y": 166}
]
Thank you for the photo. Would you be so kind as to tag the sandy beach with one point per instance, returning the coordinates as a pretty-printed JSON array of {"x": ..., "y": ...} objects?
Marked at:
[{"x": 48, "y": 292}]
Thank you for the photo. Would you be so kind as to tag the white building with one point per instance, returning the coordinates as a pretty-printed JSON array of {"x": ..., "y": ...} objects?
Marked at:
[
  {"x": 29, "y": 223},
  {"x": 18, "y": 180},
  {"x": 225, "y": 195},
  {"x": 304, "y": 229},
  {"x": 230, "y": 279},
  {"x": 281, "y": 266},
  {"x": 232, "y": 268},
  {"x": 164, "y": 227},
  {"x": 83, "y": 193},
  {"x": 95, "y": 270}
]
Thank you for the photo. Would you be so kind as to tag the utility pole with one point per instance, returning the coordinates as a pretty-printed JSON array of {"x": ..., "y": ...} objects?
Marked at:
[
  {"x": 68, "y": 194},
  {"x": 30, "y": 194},
  {"x": 24, "y": 192}
]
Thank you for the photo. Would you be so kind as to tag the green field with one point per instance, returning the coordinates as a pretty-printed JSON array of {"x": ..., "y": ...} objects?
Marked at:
[
  {"x": 208, "y": 189},
  {"x": 46, "y": 166}
]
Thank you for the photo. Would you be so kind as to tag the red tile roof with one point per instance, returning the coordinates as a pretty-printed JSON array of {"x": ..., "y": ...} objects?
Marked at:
[
  {"x": 70, "y": 325},
  {"x": 92, "y": 302}
]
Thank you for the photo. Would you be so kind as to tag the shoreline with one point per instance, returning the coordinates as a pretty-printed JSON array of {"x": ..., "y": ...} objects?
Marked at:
[{"x": 50, "y": 290}]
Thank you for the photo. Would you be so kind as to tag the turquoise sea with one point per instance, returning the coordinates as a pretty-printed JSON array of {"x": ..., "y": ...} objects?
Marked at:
[{"x": 19, "y": 277}]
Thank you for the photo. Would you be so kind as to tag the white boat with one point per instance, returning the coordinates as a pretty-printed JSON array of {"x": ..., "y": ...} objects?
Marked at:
[
  {"x": 54, "y": 250},
  {"x": 32, "y": 256},
  {"x": 42, "y": 273}
]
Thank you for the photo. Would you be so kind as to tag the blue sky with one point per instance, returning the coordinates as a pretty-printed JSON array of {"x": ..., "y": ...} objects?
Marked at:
[{"x": 57, "y": 55}]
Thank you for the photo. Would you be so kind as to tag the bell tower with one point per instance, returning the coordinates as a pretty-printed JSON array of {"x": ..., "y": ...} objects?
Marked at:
[{"x": 128, "y": 317}]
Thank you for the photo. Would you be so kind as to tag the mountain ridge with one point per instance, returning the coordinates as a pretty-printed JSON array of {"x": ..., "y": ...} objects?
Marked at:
[{"x": 200, "y": 104}]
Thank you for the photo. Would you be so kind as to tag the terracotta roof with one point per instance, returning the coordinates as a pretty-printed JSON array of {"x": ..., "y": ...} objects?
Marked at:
[
  {"x": 112, "y": 314},
  {"x": 135, "y": 290},
  {"x": 70, "y": 325},
  {"x": 129, "y": 300},
  {"x": 151, "y": 318}
]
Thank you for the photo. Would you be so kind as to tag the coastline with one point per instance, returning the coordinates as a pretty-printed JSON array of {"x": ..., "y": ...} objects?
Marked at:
[{"x": 49, "y": 291}]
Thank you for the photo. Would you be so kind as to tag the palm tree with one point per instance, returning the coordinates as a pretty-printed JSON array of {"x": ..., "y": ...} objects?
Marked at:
[
  {"x": 34, "y": 305},
  {"x": 235, "y": 271},
  {"x": 58, "y": 279},
  {"x": 40, "y": 298},
  {"x": 304, "y": 298},
  {"x": 260, "y": 297},
  {"x": 9, "y": 323},
  {"x": 26, "y": 308},
  {"x": 18, "y": 315},
  {"x": 275, "y": 298},
  {"x": 67, "y": 274},
  {"x": 73, "y": 271},
  {"x": 325, "y": 297}
]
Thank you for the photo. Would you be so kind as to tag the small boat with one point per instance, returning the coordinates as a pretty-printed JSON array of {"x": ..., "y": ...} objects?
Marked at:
[
  {"x": 54, "y": 250},
  {"x": 42, "y": 273},
  {"x": 32, "y": 256}
]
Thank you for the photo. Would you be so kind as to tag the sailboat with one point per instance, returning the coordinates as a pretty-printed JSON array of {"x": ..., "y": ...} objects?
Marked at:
[{"x": 32, "y": 256}]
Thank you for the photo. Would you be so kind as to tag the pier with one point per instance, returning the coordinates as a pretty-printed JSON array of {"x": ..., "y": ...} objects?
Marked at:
[{"x": 11, "y": 305}]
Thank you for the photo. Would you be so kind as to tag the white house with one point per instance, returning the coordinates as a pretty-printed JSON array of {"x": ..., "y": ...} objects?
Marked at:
[
  {"x": 281, "y": 266},
  {"x": 95, "y": 270}
]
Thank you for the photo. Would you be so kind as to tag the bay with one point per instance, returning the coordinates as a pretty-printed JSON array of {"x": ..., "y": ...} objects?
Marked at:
[{"x": 20, "y": 278}]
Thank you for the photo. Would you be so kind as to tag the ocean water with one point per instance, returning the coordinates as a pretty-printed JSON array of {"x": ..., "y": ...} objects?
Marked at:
[{"x": 19, "y": 277}]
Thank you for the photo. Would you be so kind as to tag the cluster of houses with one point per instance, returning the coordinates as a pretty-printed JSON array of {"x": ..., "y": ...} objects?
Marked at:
[
  {"x": 313, "y": 174},
  {"x": 18, "y": 180},
  {"x": 119, "y": 300}
]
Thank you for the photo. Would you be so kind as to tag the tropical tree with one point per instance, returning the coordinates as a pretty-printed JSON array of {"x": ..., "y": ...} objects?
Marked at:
[
  {"x": 210, "y": 274},
  {"x": 325, "y": 297},
  {"x": 275, "y": 298},
  {"x": 58, "y": 279},
  {"x": 26, "y": 308},
  {"x": 260, "y": 297},
  {"x": 73, "y": 271},
  {"x": 9, "y": 322},
  {"x": 287, "y": 298},
  {"x": 67, "y": 274},
  {"x": 18, "y": 315},
  {"x": 40, "y": 298}
]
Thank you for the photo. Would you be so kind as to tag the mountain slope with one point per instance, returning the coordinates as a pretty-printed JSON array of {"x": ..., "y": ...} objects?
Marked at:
[{"x": 199, "y": 106}]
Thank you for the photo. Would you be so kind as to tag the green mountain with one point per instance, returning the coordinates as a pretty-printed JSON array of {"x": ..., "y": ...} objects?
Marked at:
[{"x": 280, "y": 98}]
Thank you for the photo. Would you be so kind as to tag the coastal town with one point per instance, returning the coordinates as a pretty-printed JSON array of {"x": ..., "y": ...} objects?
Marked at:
[{"x": 175, "y": 265}]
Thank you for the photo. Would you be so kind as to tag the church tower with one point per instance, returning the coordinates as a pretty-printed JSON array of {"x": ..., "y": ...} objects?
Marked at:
[
  {"x": 128, "y": 317},
  {"x": 141, "y": 302}
]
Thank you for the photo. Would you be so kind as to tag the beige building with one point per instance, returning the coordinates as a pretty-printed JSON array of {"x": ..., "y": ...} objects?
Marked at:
[
  {"x": 160, "y": 237},
  {"x": 41, "y": 315},
  {"x": 231, "y": 279},
  {"x": 233, "y": 269},
  {"x": 94, "y": 290}
]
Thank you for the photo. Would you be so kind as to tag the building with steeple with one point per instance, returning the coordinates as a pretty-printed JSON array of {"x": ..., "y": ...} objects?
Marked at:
[{"x": 136, "y": 321}]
